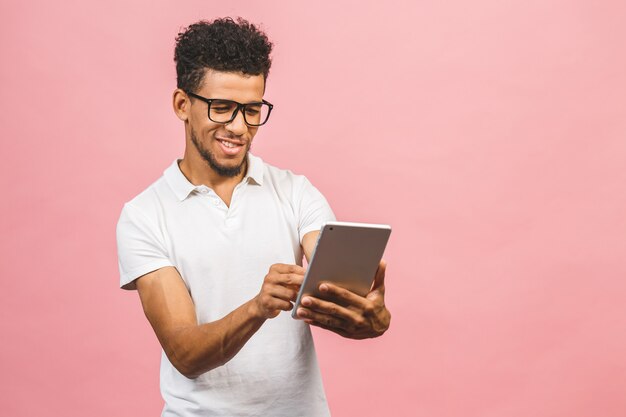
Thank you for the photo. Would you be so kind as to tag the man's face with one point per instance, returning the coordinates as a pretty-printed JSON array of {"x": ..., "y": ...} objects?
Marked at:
[{"x": 224, "y": 146}]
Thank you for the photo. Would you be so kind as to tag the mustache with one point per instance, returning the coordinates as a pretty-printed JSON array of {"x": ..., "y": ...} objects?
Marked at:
[{"x": 229, "y": 136}]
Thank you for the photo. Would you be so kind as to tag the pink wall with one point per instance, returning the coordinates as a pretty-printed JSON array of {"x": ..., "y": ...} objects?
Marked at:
[{"x": 489, "y": 134}]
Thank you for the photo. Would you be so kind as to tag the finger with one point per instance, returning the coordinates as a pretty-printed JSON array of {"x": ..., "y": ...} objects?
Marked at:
[
  {"x": 282, "y": 293},
  {"x": 324, "y": 319},
  {"x": 275, "y": 308},
  {"x": 294, "y": 288},
  {"x": 331, "y": 309},
  {"x": 293, "y": 279},
  {"x": 338, "y": 331},
  {"x": 272, "y": 306},
  {"x": 287, "y": 269},
  {"x": 343, "y": 296},
  {"x": 286, "y": 279},
  {"x": 379, "y": 279},
  {"x": 283, "y": 305}
]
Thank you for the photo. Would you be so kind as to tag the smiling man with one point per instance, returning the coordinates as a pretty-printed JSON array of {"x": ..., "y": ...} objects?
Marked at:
[{"x": 214, "y": 247}]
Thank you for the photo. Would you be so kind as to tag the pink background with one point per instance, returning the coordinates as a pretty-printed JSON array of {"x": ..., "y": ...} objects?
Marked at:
[{"x": 490, "y": 134}]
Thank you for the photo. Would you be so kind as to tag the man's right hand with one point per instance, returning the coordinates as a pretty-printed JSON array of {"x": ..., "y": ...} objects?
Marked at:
[
  {"x": 280, "y": 288},
  {"x": 197, "y": 348}
]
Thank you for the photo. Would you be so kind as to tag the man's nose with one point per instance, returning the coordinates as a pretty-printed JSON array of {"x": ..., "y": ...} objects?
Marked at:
[{"x": 238, "y": 125}]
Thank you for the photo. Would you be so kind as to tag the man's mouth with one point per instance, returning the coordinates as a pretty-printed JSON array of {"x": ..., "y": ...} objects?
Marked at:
[
  {"x": 227, "y": 144},
  {"x": 230, "y": 147}
]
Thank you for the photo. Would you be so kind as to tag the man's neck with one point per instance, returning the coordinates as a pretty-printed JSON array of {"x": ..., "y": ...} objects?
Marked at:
[{"x": 198, "y": 172}]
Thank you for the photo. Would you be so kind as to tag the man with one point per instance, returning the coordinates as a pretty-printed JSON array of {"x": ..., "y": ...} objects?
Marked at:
[{"x": 214, "y": 247}]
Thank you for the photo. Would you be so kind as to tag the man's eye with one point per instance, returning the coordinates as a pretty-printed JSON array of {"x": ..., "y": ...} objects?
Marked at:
[
  {"x": 252, "y": 112},
  {"x": 220, "y": 109}
]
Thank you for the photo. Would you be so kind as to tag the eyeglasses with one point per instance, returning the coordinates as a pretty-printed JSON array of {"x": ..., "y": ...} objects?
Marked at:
[{"x": 225, "y": 111}]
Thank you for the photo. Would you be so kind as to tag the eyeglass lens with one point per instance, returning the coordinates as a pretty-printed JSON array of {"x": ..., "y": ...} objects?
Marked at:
[{"x": 221, "y": 111}]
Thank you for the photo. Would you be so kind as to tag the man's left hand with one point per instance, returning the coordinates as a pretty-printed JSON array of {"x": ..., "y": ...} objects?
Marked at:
[{"x": 364, "y": 317}]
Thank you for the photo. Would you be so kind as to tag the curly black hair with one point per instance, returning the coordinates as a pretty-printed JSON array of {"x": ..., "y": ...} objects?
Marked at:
[{"x": 223, "y": 45}]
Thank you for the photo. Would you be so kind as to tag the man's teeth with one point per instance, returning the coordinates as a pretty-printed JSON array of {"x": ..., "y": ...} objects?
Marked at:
[{"x": 228, "y": 144}]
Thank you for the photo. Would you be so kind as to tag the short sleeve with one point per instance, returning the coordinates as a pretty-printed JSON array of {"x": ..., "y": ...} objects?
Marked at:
[
  {"x": 312, "y": 208},
  {"x": 140, "y": 248}
]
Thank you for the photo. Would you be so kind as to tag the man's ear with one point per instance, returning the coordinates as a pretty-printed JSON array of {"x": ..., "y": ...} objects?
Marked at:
[{"x": 182, "y": 105}]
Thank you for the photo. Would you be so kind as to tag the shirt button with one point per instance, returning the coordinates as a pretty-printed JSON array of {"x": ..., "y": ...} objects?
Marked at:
[
  {"x": 203, "y": 190},
  {"x": 216, "y": 202}
]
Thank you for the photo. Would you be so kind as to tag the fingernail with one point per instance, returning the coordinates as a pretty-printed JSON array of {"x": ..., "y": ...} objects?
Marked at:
[
  {"x": 323, "y": 287},
  {"x": 301, "y": 312},
  {"x": 306, "y": 301}
]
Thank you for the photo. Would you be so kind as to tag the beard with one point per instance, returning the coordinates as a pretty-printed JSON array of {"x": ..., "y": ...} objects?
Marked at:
[{"x": 207, "y": 155}]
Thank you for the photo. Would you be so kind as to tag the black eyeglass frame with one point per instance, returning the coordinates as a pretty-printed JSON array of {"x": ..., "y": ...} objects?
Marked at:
[{"x": 240, "y": 106}]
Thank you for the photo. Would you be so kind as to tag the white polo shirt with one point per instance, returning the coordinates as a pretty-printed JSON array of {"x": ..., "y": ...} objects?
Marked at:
[{"x": 223, "y": 253}]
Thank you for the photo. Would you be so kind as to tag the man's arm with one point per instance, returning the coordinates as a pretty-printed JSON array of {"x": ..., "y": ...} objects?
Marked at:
[
  {"x": 365, "y": 317},
  {"x": 197, "y": 348},
  {"x": 308, "y": 243}
]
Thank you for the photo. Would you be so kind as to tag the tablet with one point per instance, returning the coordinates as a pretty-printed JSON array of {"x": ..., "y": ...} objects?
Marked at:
[{"x": 346, "y": 254}]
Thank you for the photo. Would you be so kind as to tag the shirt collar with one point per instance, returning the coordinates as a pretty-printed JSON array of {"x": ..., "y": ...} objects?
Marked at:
[
  {"x": 178, "y": 182},
  {"x": 255, "y": 169},
  {"x": 182, "y": 187}
]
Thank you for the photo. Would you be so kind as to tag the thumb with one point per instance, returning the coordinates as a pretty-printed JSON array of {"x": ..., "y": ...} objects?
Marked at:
[{"x": 379, "y": 279}]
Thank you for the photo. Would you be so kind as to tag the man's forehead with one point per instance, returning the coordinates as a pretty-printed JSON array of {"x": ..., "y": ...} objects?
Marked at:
[{"x": 232, "y": 85}]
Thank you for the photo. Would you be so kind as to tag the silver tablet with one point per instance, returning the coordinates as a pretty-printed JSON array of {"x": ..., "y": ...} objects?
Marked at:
[{"x": 346, "y": 254}]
